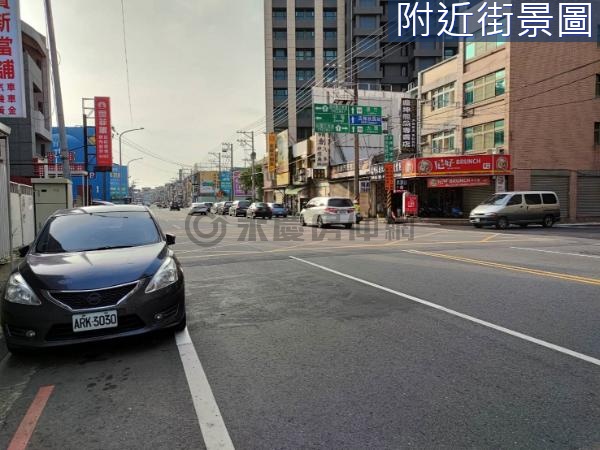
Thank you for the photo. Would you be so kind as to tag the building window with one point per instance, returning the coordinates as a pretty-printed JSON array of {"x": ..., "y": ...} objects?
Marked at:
[
  {"x": 476, "y": 45},
  {"x": 329, "y": 14},
  {"x": 486, "y": 87},
  {"x": 442, "y": 97},
  {"x": 367, "y": 65},
  {"x": 280, "y": 74},
  {"x": 330, "y": 75},
  {"x": 280, "y": 93},
  {"x": 330, "y": 54},
  {"x": 305, "y": 34},
  {"x": 330, "y": 34},
  {"x": 279, "y": 13},
  {"x": 449, "y": 52},
  {"x": 305, "y": 13},
  {"x": 597, "y": 133},
  {"x": 364, "y": 44},
  {"x": 598, "y": 85},
  {"x": 365, "y": 186},
  {"x": 279, "y": 53},
  {"x": 367, "y": 22},
  {"x": 280, "y": 34},
  {"x": 483, "y": 137},
  {"x": 305, "y": 74},
  {"x": 442, "y": 142},
  {"x": 305, "y": 54}
]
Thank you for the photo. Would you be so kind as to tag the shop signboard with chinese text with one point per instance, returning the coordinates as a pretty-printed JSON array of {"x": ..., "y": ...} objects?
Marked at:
[
  {"x": 388, "y": 171},
  {"x": 12, "y": 86},
  {"x": 272, "y": 151},
  {"x": 456, "y": 165},
  {"x": 389, "y": 148},
  {"x": 103, "y": 134},
  {"x": 283, "y": 159},
  {"x": 321, "y": 151},
  {"x": 408, "y": 125},
  {"x": 450, "y": 182}
]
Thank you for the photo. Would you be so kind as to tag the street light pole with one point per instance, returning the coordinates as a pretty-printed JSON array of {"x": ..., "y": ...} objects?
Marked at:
[
  {"x": 121, "y": 158},
  {"x": 130, "y": 161}
]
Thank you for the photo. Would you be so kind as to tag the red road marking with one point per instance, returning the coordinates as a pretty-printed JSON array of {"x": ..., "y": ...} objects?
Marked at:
[{"x": 25, "y": 430}]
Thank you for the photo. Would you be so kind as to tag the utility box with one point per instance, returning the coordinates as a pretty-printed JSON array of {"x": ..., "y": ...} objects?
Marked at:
[{"x": 50, "y": 195}]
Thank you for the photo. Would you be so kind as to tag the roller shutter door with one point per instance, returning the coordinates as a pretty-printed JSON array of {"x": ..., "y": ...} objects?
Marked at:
[
  {"x": 588, "y": 196},
  {"x": 473, "y": 196},
  {"x": 558, "y": 184}
]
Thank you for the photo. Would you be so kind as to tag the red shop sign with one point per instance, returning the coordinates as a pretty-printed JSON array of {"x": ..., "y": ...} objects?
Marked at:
[
  {"x": 456, "y": 165},
  {"x": 450, "y": 182},
  {"x": 103, "y": 133}
]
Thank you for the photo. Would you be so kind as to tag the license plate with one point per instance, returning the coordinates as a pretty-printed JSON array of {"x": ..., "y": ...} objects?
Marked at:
[
  {"x": 95, "y": 321},
  {"x": 344, "y": 217}
]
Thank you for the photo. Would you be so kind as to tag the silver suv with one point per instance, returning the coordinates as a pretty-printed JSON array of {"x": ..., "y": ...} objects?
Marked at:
[{"x": 326, "y": 211}]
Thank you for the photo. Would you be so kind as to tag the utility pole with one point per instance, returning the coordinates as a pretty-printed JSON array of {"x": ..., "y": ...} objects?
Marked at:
[
  {"x": 64, "y": 149},
  {"x": 250, "y": 135}
]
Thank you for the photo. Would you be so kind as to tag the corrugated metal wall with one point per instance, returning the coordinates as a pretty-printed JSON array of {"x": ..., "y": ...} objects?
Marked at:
[
  {"x": 588, "y": 194},
  {"x": 556, "y": 181}
]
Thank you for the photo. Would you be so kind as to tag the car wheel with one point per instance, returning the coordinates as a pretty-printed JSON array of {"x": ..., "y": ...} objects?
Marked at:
[
  {"x": 181, "y": 325},
  {"x": 348, "y": 226},
  {"x": 502, "y": 223},
  {"x": 523, "y": 225},
  {"x": 548, "y": 222},
  {"x": 478, "y": 225},
  {"x": 320, "y": 223},
  {"x": 270, "y": 217}
]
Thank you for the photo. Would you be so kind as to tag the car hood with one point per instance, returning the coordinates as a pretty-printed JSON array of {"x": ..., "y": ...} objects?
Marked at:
[
  {"x": 486, "y": 209},
  {"x": 93, "y": 269}
]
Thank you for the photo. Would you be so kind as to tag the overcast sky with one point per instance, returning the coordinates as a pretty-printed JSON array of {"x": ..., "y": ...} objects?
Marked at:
[{"x": 196, "y": 70}]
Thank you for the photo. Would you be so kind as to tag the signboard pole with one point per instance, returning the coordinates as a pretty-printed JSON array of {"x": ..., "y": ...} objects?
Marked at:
[{"x": 64, "y": 149}]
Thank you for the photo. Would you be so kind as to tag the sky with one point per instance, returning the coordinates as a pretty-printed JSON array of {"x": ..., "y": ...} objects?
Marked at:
[{"x": 196, "y": 70}]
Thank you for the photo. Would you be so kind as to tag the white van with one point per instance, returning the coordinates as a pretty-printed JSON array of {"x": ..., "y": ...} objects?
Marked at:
[
  {"x": 520, "y": 208},
  {"x": 326, "y": 211}
]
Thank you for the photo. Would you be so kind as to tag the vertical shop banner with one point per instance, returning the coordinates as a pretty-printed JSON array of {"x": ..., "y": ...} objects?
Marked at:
[
  {"x": 321, "y": 151},
  {"x": 388, "y": 170},
  {"x": 103, "y": 134},
  {"x": 272, "y": 151},
  {"x": 12, "y": 86},
  {"x": 408, "y": 121},
  {"x": 389, "y": 148},
  {"x": 283, "y": 159},
  {"x": 238, "y": 190},
  {"x": 410, "y": 204}
]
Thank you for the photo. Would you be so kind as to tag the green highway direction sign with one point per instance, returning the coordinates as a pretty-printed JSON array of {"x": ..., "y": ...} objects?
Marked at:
[
  {"x": 389, "y": 148},
  {"x": 336, "y": 118}
]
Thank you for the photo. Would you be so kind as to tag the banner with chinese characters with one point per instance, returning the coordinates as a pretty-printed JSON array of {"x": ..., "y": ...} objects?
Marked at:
[
  {"x": 272, "y": 151},
  {"x": 388, "y": 171},
  {"x": 12, "y": 86},
  {"x": 283, "y": 159},
  {"x": 450, "y": 182},
  {"x": 321, "y": 151},
  {"x": 103, "y": 134},
  {"x": 456, "y": 165},
  {"x": 408, "y": 123}
]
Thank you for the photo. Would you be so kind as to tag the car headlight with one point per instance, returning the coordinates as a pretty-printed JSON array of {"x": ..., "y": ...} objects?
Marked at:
[
  {"x": 165, "y": 276},
  {"x": 18, "y": 291}
]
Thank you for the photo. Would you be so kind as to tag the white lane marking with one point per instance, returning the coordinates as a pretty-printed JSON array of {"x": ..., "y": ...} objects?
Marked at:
[
  {"x": 554, "y": 252},
  {"x": 211, "y": 422},
  {"x": 176, "y": 227},
  {"x": 484, "y": 323}
]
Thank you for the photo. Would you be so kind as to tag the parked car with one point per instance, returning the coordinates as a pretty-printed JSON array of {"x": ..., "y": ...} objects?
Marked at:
[
  {"x": 326, "y": 211},
  {"x": 520, "y": 208},
  {"x": 239, "y": 207},
  {"x": 259, "y": 209},
  {"x": 214, "y": 209},
  {"x": 278, "y": 209},
  {"x": 93, "y": 273},
  {"x": 224, "y": 208},
  {"x": 199, "y": 208},
  {"x": 175, "y": 206}
]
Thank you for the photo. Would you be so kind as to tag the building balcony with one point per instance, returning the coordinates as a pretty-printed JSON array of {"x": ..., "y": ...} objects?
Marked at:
[
  {"x": 302, "y": 22},
  {"x": 280, "y": 63},
  {"x": 279, "y": 22},
  {"x": 371, "y": 10},
  {"x": 305, "y": 63},
  {"x": 370, "y": 74},
  {"x": 328, "y": 22},
  {"x": 305, "y": 43},
  {"x": 279, "y": 43},
  {"x": 280, "y": 84},
  {"x": 38, "y": 122},
  {"x": 358, "y": 31}
]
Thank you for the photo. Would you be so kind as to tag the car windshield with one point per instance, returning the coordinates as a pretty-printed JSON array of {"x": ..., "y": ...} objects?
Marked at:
[
  {"x": 98, "y": 231},
  {"x": 244, "y": 203},
  {"x": 277, "y": 205},
  {"x": 496, "y": 200},
  {"x": 340, "y": 202},
  {"x": 261, "y": 205}
]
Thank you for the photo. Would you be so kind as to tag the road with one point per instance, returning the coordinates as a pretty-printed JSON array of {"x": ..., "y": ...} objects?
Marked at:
[{"x": 409, "y": 337}]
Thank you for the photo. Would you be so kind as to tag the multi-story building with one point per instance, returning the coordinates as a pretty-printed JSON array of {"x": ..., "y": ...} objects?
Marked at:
[
  {"x": 330, "y": 42},
  {"x": 531, "y": 108},
  {"x": 31, "y": 136}
]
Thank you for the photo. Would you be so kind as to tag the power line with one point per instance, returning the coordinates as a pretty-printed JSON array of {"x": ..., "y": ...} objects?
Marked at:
[{"x": 126, "y": 62}]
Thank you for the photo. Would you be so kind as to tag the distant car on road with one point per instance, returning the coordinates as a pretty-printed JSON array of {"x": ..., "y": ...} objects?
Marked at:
[
  {"x": 326, "y": 211},
  {"x": 259, "y": 209},
  {"x": 175, "y": 206},
  {"x": 239, "y": 207},
  {"x": 199, "y": 208},
  {"x": 93, "y": 273},
  {"x": 278, "y": 209},
  {"x": 214, "y": 209},
  {"x": 224, "y": 208}
]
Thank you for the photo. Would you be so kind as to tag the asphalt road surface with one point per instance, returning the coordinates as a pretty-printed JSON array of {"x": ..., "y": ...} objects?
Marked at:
[{"x": 400, "y": 337}]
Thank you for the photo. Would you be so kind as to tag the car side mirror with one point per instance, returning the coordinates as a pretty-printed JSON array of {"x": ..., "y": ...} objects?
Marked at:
[
  {"x": 23, "y": 250},
  {"x": 170, "y": 239}
]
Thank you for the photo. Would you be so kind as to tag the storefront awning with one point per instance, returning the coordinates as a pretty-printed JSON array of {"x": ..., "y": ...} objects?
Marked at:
[{"x": 294, "y": 190}]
